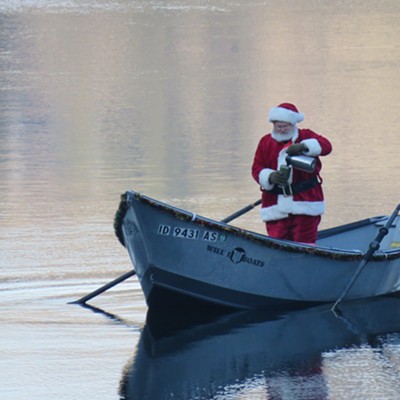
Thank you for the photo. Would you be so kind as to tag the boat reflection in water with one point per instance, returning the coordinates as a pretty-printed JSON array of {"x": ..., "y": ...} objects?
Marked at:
[{"x": 252, "y": 355}]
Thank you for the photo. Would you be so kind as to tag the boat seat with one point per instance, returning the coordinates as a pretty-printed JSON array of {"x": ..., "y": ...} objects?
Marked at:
[
  {"x": 358, "y": 235},
  {"x": 392, "y": 240}
]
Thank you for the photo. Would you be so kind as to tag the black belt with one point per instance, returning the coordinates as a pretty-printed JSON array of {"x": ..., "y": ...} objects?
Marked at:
[{"x": 295, "y": 188}]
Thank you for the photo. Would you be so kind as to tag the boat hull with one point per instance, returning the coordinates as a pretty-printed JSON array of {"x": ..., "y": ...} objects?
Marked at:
[{"x": 179, "y": 256}]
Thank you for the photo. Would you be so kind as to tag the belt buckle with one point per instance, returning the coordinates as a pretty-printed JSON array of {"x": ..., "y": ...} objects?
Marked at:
[{"x": 287, "y": 190}]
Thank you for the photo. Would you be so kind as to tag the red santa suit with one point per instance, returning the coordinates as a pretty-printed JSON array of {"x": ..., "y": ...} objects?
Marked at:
[{"x": 294, "y": 210}]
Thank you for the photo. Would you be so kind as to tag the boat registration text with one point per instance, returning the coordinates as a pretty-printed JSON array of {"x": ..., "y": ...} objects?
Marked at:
[{"x": 189, "y": 233}]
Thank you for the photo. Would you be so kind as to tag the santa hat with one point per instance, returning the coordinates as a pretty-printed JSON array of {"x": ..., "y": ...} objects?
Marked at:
[{"x": 285, "y": 112}]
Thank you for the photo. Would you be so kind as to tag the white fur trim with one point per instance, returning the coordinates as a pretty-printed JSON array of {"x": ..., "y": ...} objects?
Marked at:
[
  {"x": 263, "y": 178},
  {"x": 287, "y": 206},
  {"x": 314, "y": 148},
  {"x": 272, "y": 214},
  {"x": 285, "y": 115}
]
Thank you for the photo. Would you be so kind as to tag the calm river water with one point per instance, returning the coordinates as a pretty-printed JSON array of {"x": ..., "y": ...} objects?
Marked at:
[{"x": 170, "y": 98}]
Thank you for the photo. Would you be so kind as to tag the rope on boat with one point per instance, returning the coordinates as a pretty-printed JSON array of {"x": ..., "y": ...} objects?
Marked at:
[
  {"x": 119, "y": 217},
  {"x": 250, "y": 236}
]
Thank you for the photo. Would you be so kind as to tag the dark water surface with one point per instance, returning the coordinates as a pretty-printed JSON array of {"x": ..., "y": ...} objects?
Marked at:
[{"x": 170, "y": 98}]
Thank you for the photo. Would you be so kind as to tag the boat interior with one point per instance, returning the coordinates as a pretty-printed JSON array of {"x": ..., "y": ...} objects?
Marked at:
[{"x": 358, "y": 235}]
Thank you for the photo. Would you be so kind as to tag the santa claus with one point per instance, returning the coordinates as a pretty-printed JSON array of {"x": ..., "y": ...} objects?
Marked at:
[{"x": 292, "y": 199}]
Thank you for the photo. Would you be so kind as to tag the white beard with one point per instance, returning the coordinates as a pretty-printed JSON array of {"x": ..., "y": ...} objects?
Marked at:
[{"x": 284, "y": 137}]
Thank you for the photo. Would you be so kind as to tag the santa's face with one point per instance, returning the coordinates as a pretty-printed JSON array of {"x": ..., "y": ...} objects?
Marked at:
[{"x": 283, "y": 130}]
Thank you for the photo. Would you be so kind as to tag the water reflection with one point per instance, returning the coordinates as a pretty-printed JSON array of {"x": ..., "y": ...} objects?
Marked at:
[
  {"x": 170, "y": 97},
  {"x": 259, "y": 356}
]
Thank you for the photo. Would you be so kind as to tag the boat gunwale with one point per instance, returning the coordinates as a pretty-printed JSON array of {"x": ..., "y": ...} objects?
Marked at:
[{"x": 277, "y": 244}]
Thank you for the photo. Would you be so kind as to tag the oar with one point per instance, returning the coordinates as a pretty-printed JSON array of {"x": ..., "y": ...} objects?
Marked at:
[
  {"x": 374, "y": 245},
  {"x": 102, "y": 289},
  {"x": 241, "y": 211},
  {"x": 128, "y": 274}
]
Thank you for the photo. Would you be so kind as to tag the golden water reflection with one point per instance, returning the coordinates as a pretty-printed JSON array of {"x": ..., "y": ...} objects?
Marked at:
[{"x": 173, "y": 103}]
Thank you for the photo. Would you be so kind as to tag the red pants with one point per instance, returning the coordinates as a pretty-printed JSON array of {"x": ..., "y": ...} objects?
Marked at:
[{"x": 298, "y": 228}]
